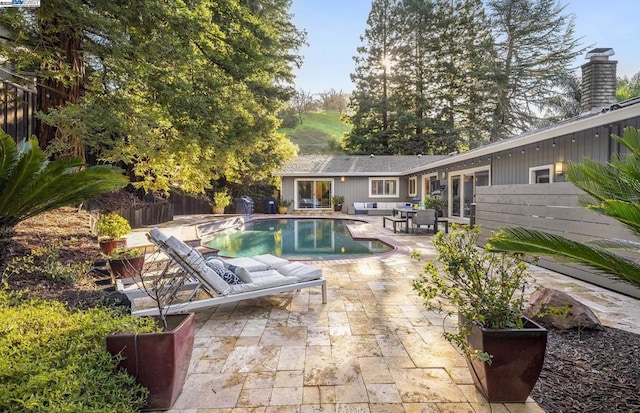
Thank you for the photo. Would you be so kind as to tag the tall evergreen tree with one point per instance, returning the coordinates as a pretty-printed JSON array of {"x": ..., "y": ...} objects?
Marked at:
[
  {"x": 370, "y": 100},
  {"x": 535, "y": 45}
]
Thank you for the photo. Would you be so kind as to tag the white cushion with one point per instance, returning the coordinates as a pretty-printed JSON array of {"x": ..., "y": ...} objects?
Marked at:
[
  {"x": 274, "y": 280},
  {"x": 156, "y": 235},
  {"x": 249, "y": 263},
  {"x": 271, "y": 260},
  {"x": 301, "y": 272}
]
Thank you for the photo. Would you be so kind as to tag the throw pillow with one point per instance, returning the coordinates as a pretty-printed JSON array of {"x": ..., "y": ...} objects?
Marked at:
[
  {"x": 241, "y": 272},
  {"x": 224, "y": 273}
]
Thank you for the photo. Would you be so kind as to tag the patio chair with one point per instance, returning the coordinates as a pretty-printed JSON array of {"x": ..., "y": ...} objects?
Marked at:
[
  {"x": 424, "y": 217},
  {"x": 188, "y": 270}
]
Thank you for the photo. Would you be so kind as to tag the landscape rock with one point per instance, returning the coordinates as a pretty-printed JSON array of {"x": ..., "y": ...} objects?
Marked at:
[{"x": 577, "y": 315}]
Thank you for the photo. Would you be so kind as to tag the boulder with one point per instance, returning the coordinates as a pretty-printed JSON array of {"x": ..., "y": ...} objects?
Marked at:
[{"x": 558, "y": 309}]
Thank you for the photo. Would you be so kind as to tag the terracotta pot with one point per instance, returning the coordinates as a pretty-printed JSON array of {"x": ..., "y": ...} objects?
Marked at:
[
  {"x": 158, "y": 361},
  {"x": 518, "y": 356},
  {"x": 108, "y": 245},
  {"x": 217, "y": 210},
  {"x": 283, "y": 210},
  {"x": 126, "y": 267}
]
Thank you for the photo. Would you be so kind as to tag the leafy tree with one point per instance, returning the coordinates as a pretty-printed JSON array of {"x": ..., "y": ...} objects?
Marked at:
[
  {"x": 303, "y": 101},
  {"x": 628, "y": 88},
  {"x": 613, "y": 190},
  {"x": 332, "y": 100},
  {"x": 30, "y": 185},
  {"x": 565, "y": 104},
  {"x": 182, "y": 93},
  {"x": 535, "y": 45}
]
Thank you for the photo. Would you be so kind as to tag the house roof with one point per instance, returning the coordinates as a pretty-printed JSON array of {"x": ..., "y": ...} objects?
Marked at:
[
  {"x": 615, "y": 113},
  {"x": 356, "y": 165}
]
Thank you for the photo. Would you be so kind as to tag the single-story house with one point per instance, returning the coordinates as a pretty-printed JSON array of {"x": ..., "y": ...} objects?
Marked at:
[{"x": 513, "y": 182}]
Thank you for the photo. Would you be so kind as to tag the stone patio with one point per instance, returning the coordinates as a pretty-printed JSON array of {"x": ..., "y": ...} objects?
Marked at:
[{"x": 372, "y": 348}]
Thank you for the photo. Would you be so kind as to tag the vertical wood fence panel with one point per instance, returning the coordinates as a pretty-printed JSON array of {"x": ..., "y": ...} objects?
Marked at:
[{"x": 552, "y": 208}]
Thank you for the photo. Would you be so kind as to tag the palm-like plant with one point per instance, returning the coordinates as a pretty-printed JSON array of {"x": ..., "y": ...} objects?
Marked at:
[
  {"x": 614, "y": 190},
  {"x": 30, "y": 184}
]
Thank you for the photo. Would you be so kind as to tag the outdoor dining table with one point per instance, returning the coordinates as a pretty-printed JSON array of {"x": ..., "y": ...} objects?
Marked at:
[{"x": 408, "y": 213}]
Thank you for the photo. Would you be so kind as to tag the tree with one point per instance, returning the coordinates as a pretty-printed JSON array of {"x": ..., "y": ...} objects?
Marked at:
[
  {"x": 628, "y": 88},
  {"x": 535, "y": 45},
  {"x": 370, "y": 101},
  {"x": 303, "y": 101},
  {"x": 613, "y": 189},
  {"x": 181, "y": 93},
  {"x": 565, "y": 104},
  {"x": 332, "y": 100},
  {"x": 30, "y": 185}
]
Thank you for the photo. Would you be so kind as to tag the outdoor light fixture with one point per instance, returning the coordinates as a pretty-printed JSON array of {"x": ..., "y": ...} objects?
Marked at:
[
  {"x": 342, "y": 179},
  {"x": 559, "y": 168},
  {"x": 573, "y": 139},
  {"x": 554, "y": 143}
]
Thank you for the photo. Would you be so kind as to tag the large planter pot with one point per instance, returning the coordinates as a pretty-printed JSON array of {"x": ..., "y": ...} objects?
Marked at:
[
  {"x": 158, "y": 361},
  {"x": 518, "y": 356},
  {"x": 283, "y": 210},
  {"x": 108, "y": 245},
  {"x": 337, "y": 207},
  {"x": 217, "y": 210},
  {"x": 126, "y": 267}
]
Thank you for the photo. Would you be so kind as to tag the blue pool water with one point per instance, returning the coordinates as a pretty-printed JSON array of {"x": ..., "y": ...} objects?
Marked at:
[{"x": 295, "y": 238}]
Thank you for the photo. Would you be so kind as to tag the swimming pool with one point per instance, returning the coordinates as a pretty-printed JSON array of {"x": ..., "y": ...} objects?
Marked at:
[{"x": 295, "y": 238}]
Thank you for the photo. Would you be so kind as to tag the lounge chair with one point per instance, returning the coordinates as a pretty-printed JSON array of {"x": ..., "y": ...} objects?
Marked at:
[{"x": 188, "y": 270}]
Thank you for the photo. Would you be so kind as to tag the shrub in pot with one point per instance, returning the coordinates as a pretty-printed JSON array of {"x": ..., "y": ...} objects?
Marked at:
[
  {"x": 160, "y": 360},
  {"x": 126, "y": 262},
  {"x": 337, "y": 202},
  {"x": 111, "y": 228},
  {"x": 221, "y": 200},
  {"x": 434, "y": 202},
  {"x": 283, "y": 205},
  {"x": 504, "y": 350}
]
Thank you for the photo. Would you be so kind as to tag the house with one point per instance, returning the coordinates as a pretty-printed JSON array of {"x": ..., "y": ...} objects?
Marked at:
[{"x": 514, "y": 182}]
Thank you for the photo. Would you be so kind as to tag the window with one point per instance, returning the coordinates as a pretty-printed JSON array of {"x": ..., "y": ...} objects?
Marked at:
[
  {"x": 383, "y": 187},
  {"x": 413, "y": 186},
  {"x": 434, "y": 184},
  {"x": 541, "y": 174}
]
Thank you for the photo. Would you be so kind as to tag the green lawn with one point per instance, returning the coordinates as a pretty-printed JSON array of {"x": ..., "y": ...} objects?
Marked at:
[{"x": 319, "y": 133}]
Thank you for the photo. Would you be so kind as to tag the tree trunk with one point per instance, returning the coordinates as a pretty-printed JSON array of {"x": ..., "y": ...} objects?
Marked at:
[{"x": 54, "y": 93}]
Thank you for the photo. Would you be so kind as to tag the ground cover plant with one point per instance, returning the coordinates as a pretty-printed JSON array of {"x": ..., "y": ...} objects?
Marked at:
[{"x": 55, "y": 358}]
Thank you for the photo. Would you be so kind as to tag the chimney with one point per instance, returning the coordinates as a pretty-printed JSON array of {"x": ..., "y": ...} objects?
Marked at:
[{"x": 598, "y": 81}]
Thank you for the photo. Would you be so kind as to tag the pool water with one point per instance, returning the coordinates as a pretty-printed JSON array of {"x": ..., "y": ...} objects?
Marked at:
[{"x": 295, "y": 238}]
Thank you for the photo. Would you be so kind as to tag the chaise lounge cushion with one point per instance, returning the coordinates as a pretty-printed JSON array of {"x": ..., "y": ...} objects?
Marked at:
[
  {"x": 196, "y": 263},
  {"x": 301, "y": 272},
  {"x": 268, "y": 279},
  {"x": 271, "y": 260},
  {"x": 249, "y": 264}
]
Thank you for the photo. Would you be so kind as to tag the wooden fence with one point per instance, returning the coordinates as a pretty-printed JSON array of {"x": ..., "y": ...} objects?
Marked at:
[
  {"x": 150, "y": 214},
  {"x": 552, "y": 208}
]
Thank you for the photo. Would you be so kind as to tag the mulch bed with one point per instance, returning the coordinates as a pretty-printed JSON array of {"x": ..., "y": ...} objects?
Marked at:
[
  {"x": 584, "y": 371},
  {"x": 590, "y": 371}
]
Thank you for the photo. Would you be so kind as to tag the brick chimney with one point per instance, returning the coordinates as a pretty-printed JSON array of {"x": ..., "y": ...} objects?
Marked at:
[{"x": 598, "y": 81}]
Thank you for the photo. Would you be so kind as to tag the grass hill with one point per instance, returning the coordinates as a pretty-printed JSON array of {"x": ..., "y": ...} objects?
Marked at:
[{"x": 319, "y": 133}]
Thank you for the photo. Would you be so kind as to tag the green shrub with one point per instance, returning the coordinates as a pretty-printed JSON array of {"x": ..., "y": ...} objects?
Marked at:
[
  {"x": 112, "y": 226},
  {"x": 54, "y": 360},
  {"x": 44, "y": 262}
]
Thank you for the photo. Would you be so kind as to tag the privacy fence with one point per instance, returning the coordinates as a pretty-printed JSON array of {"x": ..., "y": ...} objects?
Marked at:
[{"x": 552, "y": 208}]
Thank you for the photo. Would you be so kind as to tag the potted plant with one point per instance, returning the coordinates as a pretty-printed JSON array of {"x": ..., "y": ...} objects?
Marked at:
[
  {"x": 337, "y": 202},
  {"x": 126, "y": 262},
  {"x": 159, "y": 360},
  {"x": 283, "y": 205},
  {"x": 504, "y": 350},
  {"x": 110, "y": 229},
  {"x": 221, "y": 199},
  {"x": 435, "y": 202}
]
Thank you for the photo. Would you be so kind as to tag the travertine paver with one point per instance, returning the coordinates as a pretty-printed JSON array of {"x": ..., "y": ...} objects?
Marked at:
[{"x": 372, "y": 348}]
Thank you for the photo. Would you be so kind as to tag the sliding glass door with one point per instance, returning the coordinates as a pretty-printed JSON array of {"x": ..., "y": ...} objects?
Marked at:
[{"x": 314, "y": 194}]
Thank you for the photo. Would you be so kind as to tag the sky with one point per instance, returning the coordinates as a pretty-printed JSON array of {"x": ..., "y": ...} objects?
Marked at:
[{"x": 334, "y": 28}]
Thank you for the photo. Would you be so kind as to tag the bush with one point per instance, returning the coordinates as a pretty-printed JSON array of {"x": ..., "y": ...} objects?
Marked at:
[
  {"x": 112, "y": 226},
  {"x": 55, "y": 360}
]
